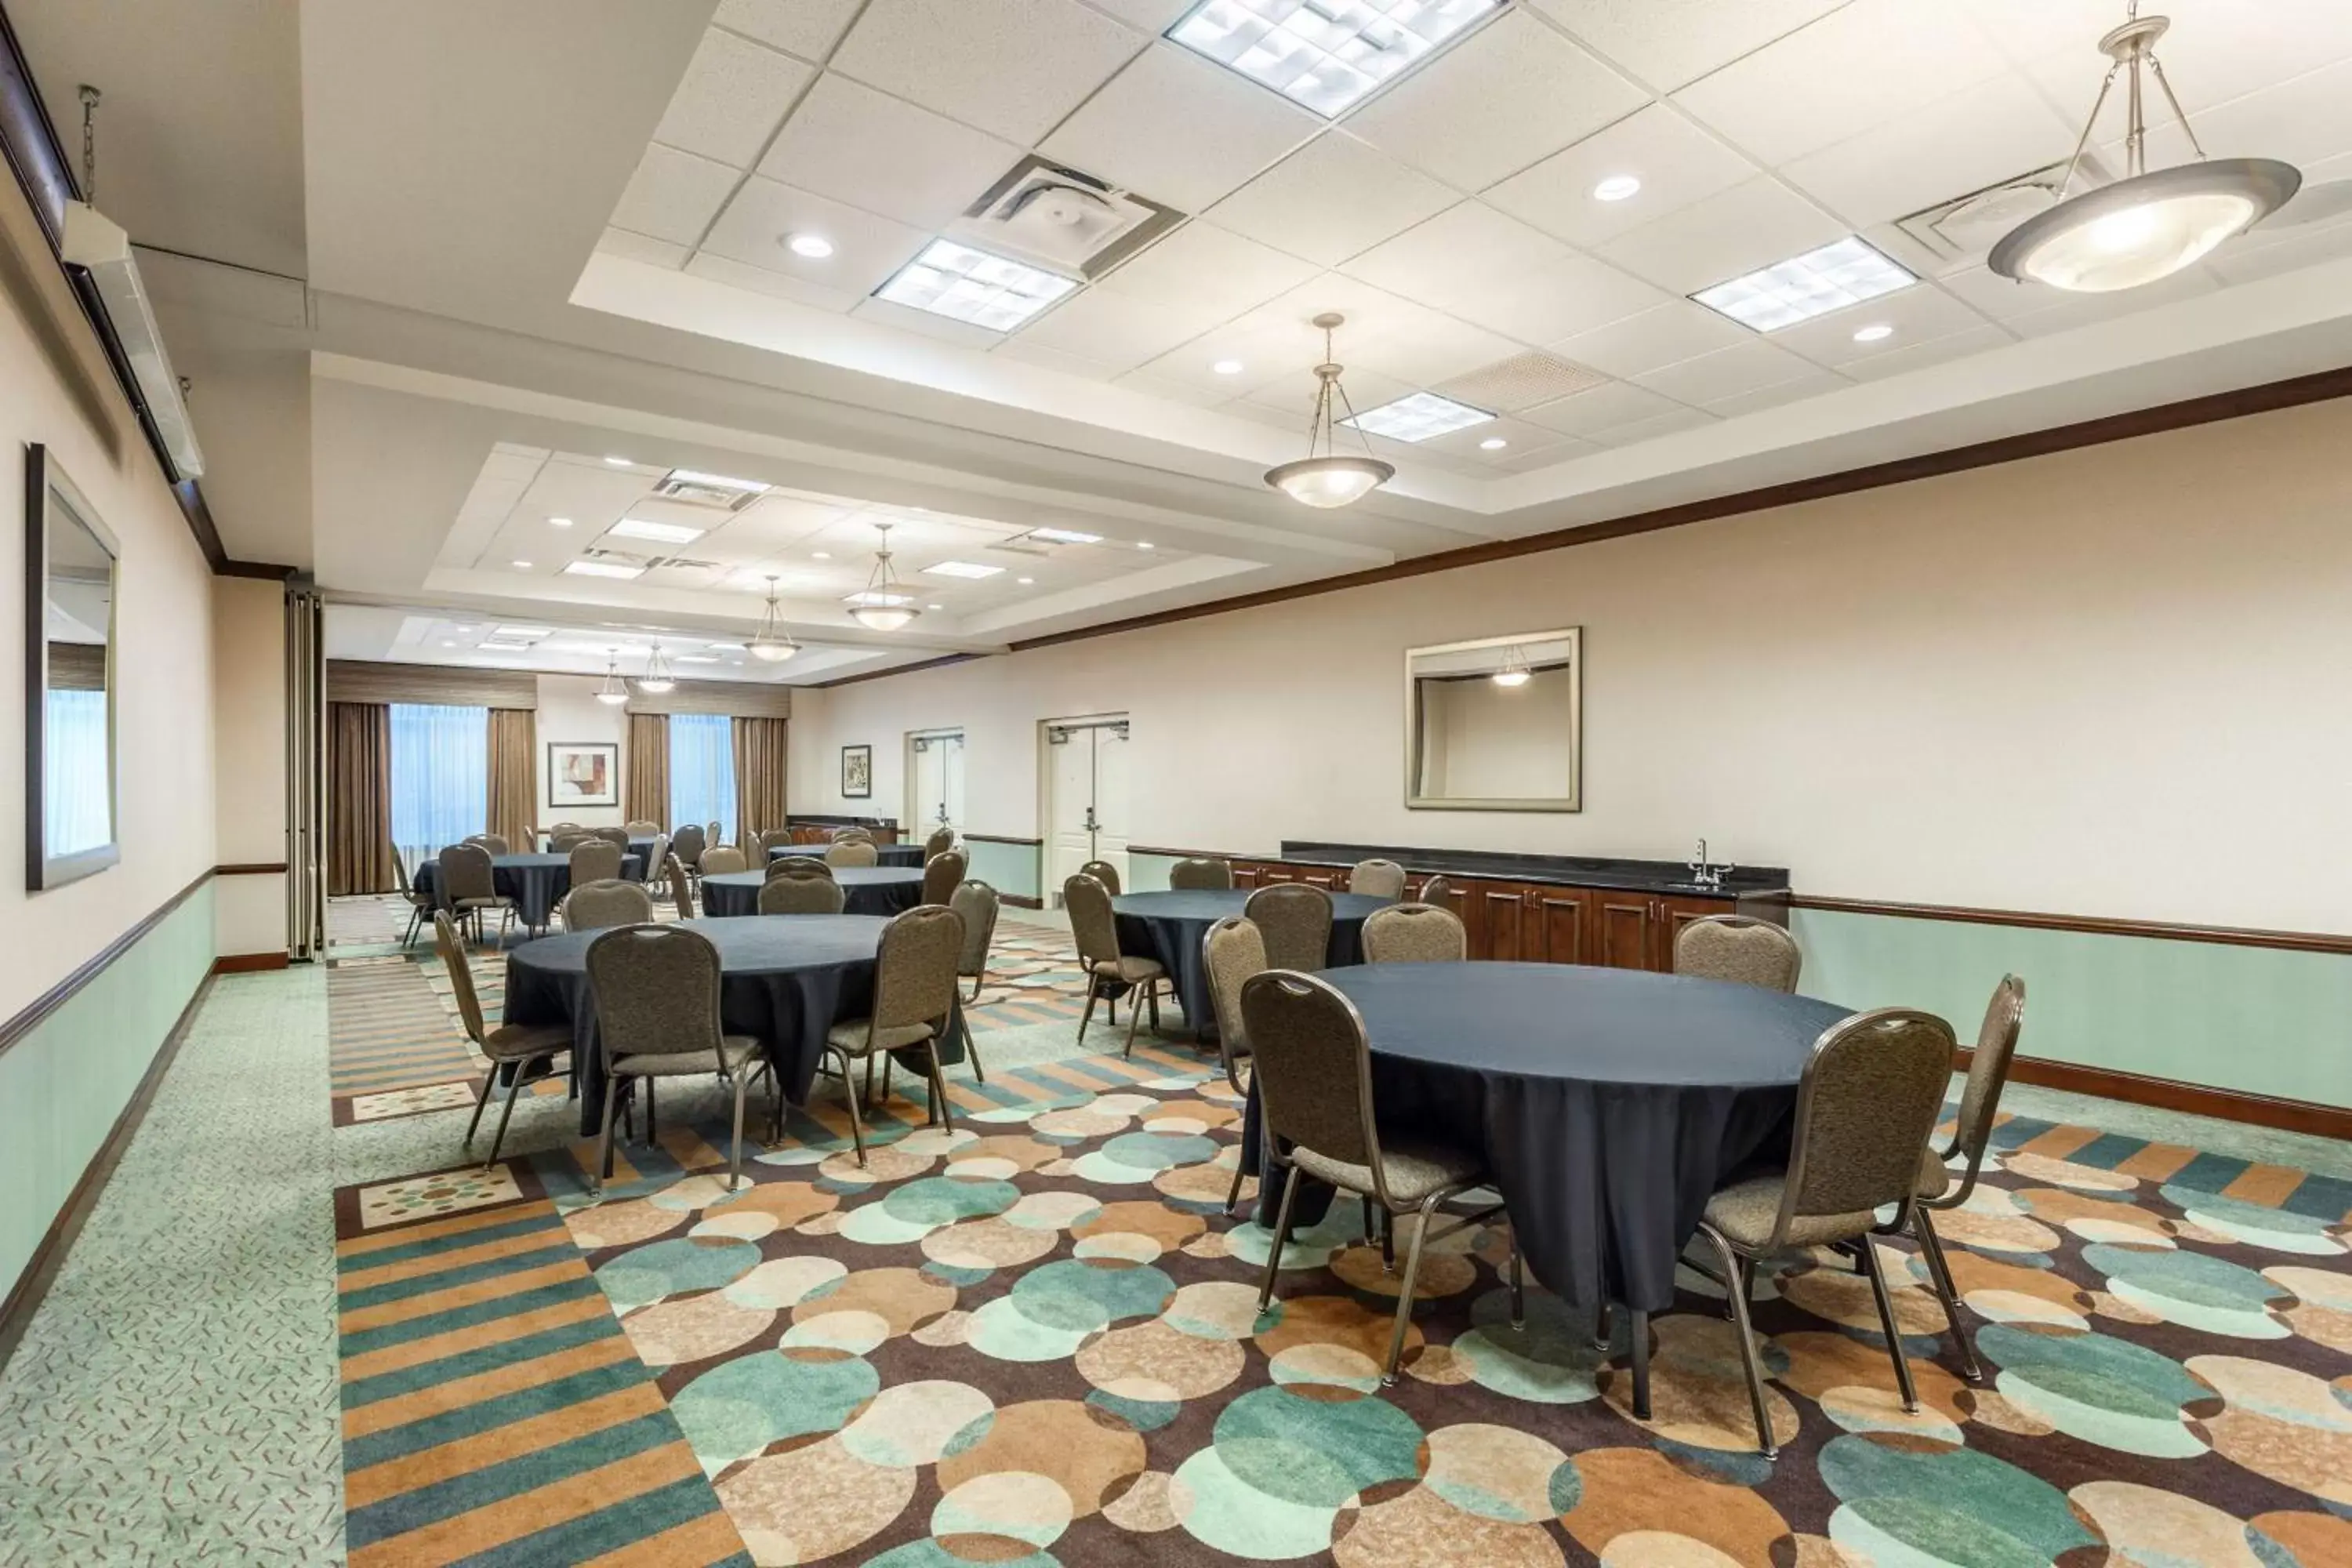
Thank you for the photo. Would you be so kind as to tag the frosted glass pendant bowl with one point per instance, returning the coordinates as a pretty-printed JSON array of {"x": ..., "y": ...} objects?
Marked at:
[
  {"x": 1326, "y": 482},
  {"x": 2149, "y": 227}
]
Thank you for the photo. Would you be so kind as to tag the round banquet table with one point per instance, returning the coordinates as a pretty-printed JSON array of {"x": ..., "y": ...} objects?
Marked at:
[
  {"x": 884, "y": 853},
  {"x": 1610, "y": 1104},
  {"x": 1170, "y": 926},
  {"x": 785, "y": 978},
  {"x": 639, "y": 847},
  {"x": 537, "y": 883},
  {"x": 866, "y": 891}
]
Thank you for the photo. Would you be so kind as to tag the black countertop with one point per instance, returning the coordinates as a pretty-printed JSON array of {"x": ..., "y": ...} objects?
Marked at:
[
  {"x": 1566, "y": 870},
  {"x": 816, "y": 819}
]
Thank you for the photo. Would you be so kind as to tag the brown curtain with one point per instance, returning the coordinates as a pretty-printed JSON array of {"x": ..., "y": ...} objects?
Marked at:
[
  {"x": 514, "y": 777},
  {"x": 359, "y": 798},
  {"x": 645, "y": 796},
  {"x": 759, "y": 774}
]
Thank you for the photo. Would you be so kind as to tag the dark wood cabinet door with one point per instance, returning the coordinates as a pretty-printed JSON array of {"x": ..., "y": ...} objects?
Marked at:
[
  {"x": 1458, "y": 900},
  {"x": 1248, "y": 874},
  {"x": 1676, "y": 911},
  {"x": 1330, "y": 878},
  {"x": 1505, "y": 922},
  {"x": 1561, "y": 918},
  {"x": 1624, "y": 930}
]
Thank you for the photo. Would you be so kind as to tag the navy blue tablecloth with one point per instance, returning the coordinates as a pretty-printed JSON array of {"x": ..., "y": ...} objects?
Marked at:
[
  {"x": 1170, "y": 927},
  {"x": 866, "y": 891},
  {"x": 784, "y": 978},
  {"x": 884, "y": 853},
  {"x": 1610, "y": 1104},
  {"x": 537, "y": 883}
]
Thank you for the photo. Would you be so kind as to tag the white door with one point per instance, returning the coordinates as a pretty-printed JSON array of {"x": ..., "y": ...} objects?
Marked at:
[
  {"x": 1087, "y": 780},
  {"x": 951, "y": 783},
  {"x": 1111, "y": 799},
  {"x": 934, "y": 783}
]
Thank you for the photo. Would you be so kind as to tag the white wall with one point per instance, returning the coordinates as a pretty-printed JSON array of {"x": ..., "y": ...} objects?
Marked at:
[
  {"x": 249, "y": 755},
  {"x": 568, "y": 713},
  {"x": 2105, "y": 682}
]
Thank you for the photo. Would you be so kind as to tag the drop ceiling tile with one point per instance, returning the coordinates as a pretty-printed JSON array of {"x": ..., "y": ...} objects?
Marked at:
[
  {"x": 1527, "y": 459},
  {"x": 674, "y": 196},
  {"x": 1918, "y": 356},
  {"x": 1511, "y": 93},
  {"x": 1918, "y": 314},
  {"x": 866, "y": 248},
  {"x": 1669, "y": 43},
  {"x": 1669, "y": 424},
  {"x": 1013, "y": 67},
  {"x": 1678, "y": 163},
  {"x": 1332, "y": 199},
  {"x": 882, "y": 154},
  {"x": 1729, "y": 233},
  {"x": 1389, "y": 333},
  {"x": 2300, "y": 121},
  {"x": 1203, "y": 268},
  {"x": 1496, "y": 272},
  {"x": 1727, "y": 372},
  {"x": 1654, "y": 339},
  {"x": 1812, "y": 384},
  {"x": 1273, "y": 348},
  {"x": 2285, "y": 250},
  {"x": 1018, "y": 348},
  {"x": 1178, "y": 129},
  {"x": 808, "y": 29},
  {"x": 1519, "y": 438},
  {"x": 1976, "y": 138},
  {"x": 1175, "y": 391},
  {"x": 760, "y": 281},
  {"x": 2214, "y": 53},
  {"x": 1115, "y": 329},
  {"x": 1294, "y": 394},
  {"x": 1587, "y": 413},
  {"x": 2070, "y": 311},
  {"x": 638, "y": 248},
  {"x": 1145, "y": 15},
  {"x": 731, "y": 99},
  {"x": 1864, "y": 65}
]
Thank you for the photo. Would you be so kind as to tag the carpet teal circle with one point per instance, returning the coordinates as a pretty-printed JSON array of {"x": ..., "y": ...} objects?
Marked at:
[
  {"x": 2092, "y": 1370},
  {"x": 943, "y": 1200},
  {"x": 1954, "y": 1505},
  {"x": 1084, "y": 1296},
  {"x": 1159, "y": 1151},
  {"x": 1317, "y": 1453}
]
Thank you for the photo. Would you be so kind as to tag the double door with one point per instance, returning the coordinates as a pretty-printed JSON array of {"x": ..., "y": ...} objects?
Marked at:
[
  {"x": 934, "y": 782},
  {"x": 1085, "y": 806}
]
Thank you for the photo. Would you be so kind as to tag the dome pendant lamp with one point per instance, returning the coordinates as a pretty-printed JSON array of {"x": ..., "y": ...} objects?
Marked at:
[
  {"x": 772, "y": 643},
  {"x": 2146, "y": 226},
  {"x": 885, "y": 605},
  {"x": 656, "y": 681},
  {"x": 615, "y": 691},
  {"x": 1333, "y": 477}
]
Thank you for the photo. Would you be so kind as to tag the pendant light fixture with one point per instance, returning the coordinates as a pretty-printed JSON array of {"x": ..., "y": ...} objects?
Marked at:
[
  {"x": 1514, "y": 670},
  {"x": 656, "y": 681},
  {"x": 615, "y": 691},
  {"x": 1328, "y": 477},
  {"x": 885, "y": 605},
  {"x": 2145, "y": 225},
  {"x": 771, "y": 644}
]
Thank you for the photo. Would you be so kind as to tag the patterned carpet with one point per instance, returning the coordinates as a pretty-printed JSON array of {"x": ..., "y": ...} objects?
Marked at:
[{"x": 1033, "y": 1341}]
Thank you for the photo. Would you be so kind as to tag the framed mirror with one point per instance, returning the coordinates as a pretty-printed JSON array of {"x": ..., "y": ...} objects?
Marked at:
[
  {"x": 70, "y": 560},
  {"x": 1496, "y": 723}
]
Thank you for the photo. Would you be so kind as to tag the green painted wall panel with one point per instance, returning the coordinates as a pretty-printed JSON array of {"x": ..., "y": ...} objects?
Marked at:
[
  {"x": 1010, "y": 868},
  {"x": 1147, "y": 873},
  {"x": 62, "y": 1086},
  {"x": 2257, "y": 1020}
]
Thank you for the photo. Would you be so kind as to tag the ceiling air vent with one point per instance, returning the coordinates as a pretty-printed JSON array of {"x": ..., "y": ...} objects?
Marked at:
[
  {"x": 1062, "y": 220},
  {"x": 1964, "y": 230},
  {"x": 709, "y": 489},
  {"x": 1520, "y": 382}
]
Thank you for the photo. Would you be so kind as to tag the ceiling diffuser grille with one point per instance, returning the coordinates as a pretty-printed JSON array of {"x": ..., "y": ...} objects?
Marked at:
[{"x": 1521, "y": 382}]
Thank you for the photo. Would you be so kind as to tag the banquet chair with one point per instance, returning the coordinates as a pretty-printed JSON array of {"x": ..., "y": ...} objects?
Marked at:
[
  {"x": 601, "y": 905},
  {"x": 1738, "y": 949},
  {"x": 801, "y": 896},
  {"x": 509, "y": 1046},
  {"x": 848, "y": 852},
  {"x": 555, "y": 827},
  {"x": 1199, "y": 874},
  {"x": 915, "y": 992},
  {"x": 618, "y": 838},
  {"x": 851, "y": 835},
  {"x": 1439, "y": 892},
  {"x": 977, "y": 904},
  {"x": 655, "y": 988},
  {"x": 799, "y": 866},
  {"x": 1096, "y": 930},
  {"x": 563, "y": 841},
  {"x": 943, "y": 874},
  {"x": 1377, "y": 878},
  {"x": 1102, "y": 871},
  {"x": 656, "y": 858},
  {"x": 494, "y": 842},
  {"x": 1867, "y": 1106},
  {"x": 776, "y": 838},
  {"x": 597, "y": 861},
  {"x": 688, "y": 845},
  {"x": 1971, "y": 1132},
  {"x": 1296, "y": 921},
  {"x": 420, "y": 904},
  {"x": 1313, "y": 1071},
  {"x": 722, "y": 860},
  {"x": 681, "y": 887},
  {"x": 638, "y": 827},
  {"x": 1233, "y": 950},
  {"x": 1415, "y": 933},
  {"x": 470, "y": 888},
  {"x": 713, "y": 834},
  {"x": 941, "y": 840}
]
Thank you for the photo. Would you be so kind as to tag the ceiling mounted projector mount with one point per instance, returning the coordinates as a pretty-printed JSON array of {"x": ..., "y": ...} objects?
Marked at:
[
  {"x": 1327, "y": 477},
  {"x": 2146, "y": 226}
]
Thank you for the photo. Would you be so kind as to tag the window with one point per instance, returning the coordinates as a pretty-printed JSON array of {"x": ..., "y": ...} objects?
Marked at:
[
  {"x": 702, "y": 770},
  {"x": 73, "y": 755},
  {"x": 440, "y": 776}
]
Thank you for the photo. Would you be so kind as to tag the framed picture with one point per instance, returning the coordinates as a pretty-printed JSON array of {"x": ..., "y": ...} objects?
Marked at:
[
  {"x": 858, "y": 772},
  {"x": 583, "y": 773}
]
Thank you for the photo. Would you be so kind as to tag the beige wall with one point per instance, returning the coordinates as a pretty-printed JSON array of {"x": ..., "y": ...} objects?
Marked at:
[
  {"x": 250, "y": 761},
  {"x": 2109, "y": 681},
  {"x": 569, "y": 711},
  {"x": 55, "y": 389}
]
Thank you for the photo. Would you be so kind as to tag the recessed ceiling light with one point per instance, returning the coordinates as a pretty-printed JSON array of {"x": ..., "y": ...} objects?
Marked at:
[
  {"x": 1616, "y": 188},
  {"x": 506, "y": 645},
  {"x": 559, "y": 522},
  {"x": 1025, "y": 582},
  {"x": 728, "y": 647},
  {"x": 1878, "y": 333},
  {"x": 819, "y": 555},
  {"x": 967, "y": 285},
  {"x": 603, "y": 568},
  {"x": 446, "y": 643},
  {"x": 521, "y": 565},
  {"x": 1065, "y": 536},
  {"x": 935, "y": 607},
  {"x": 1228, "y": 367},
  {"x": 961, "y": 569},
  {"x": 618, "y": 462},
  {"x": 815, "y": 247},
  {"x": 1492, "y": 443},
  {"x": 530, "y": 634},
  {"x": 1798, "y": 289},
  {"x": 695, "y": 658},
  {"x": 718, "y": 481},
  {"x": 1419, "y": 416},
  {"x": 1324, "y": 55},
  {"x": 667, "y": 533}
]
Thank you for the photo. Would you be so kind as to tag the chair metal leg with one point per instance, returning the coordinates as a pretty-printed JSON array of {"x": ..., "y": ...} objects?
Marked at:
[
  {"x": 889, "y": 1060},
  {"x": 940, "y": 1108},
  {"x": 735, "y": 1152},
  {"x": 480, "y": 1100},
  {"x": 1094, "y": 993},
  {"x": 1940, "y": 1269},
  {"x": 1887, "y": 1321},
  {"x": 1737, "y": 1279},
  {"x": 605, "y": 1138},
  {"x": 849, "y": 1093},
  {"x": 1404, "y": 1292},
  {"x": 1134, "y": 1016},
  {"x": 1281, "y": 1234},
  {"x": 971, "y": 1049},
  {"x": 1151, "y": 998},
  {"x": 1233, "y": 1193},
  {"x": 1519, "y": 1283},
  {"x": 498, "y": 1139}
]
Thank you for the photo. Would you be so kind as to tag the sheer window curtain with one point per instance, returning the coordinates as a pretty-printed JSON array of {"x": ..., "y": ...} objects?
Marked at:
[
  {"x": 702, "y": 772},
  {"x": 73, "y": 743},
  {"x": 440, "y": 776}
]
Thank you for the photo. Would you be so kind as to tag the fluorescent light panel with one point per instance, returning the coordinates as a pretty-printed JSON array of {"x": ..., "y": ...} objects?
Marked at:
[
  {"x": 505, "y": 645},
  {"x": 529, "y": 633},
  {"x": 695, "y": 658},
  {"x": 603, "y": 568},
  {"x": 665, "y": 533},
  {"x": 720, "y": 482},
  {"x": 961, "y": 569},
  {"x": 1803, "y": 286},
  {"x": 1325, "y": 54},
  {"x": 967, "y": 285},
  {"x": 1418, "y": 417},
  {"x": 1065, "y": 536}
]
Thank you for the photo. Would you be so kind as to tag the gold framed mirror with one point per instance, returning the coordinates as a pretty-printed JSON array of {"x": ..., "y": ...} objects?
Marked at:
[{"x": 1496, "y": 723}]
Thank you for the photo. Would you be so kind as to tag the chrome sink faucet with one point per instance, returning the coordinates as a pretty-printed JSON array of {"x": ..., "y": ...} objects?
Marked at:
[{"x": 1704, "y": 873}]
